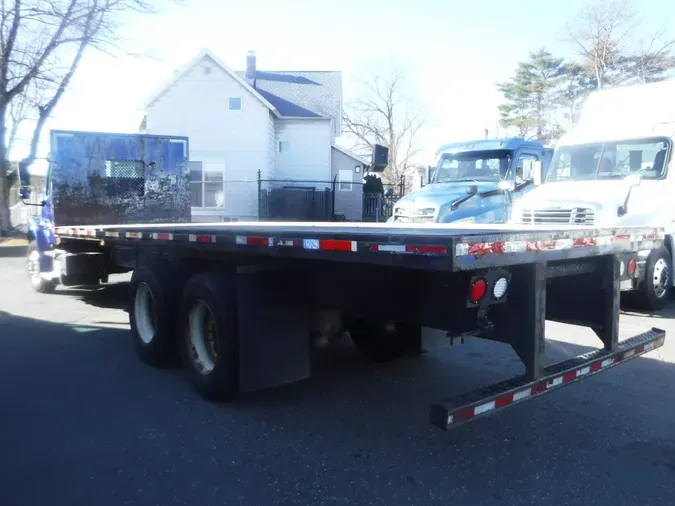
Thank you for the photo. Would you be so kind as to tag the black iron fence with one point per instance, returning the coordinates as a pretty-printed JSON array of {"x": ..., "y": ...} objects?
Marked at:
[
  {"x": 293, "y": 200},
  {"x": 289, "y": 200}
]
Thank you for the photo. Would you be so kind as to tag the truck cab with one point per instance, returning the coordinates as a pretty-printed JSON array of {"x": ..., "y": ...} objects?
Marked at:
[
  {"x": 474, "y": 181},
  {"x": 615, "y": 169}
]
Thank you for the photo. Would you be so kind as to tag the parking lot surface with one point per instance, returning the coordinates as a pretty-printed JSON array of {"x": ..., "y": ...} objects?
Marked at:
[{"x": 85, "y": 423}]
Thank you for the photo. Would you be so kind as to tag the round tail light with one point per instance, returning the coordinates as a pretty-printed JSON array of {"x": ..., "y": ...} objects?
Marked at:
[
  {"x": 632, "y": 265},
  {"x": 478, "y": 290}
]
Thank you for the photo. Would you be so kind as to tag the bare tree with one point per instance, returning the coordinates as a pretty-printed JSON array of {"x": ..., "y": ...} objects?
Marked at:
[
  {"x": 651, "y": 61},
  {"x": 384, "y": 114},
  {"x": 599, "y": 33},
  {"x": 41, "y": 45}
]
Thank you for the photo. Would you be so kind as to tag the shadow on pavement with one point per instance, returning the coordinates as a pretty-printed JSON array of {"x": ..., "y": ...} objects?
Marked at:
[
  {"x": 112, "y": 296},
  {"x": 98, "y": 427},
  {"x": 12, "y": 251}
]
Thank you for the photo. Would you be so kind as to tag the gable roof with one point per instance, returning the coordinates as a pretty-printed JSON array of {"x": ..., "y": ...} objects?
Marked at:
[
  {"x": 205, "y": 53},
  {"x": 351, "y": 155}
]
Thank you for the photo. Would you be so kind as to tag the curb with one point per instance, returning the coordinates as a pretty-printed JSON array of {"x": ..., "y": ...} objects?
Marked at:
[{"x": 13, "y": 251}]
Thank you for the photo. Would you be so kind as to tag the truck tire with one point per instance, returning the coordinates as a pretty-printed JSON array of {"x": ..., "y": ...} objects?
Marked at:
[
  {"x": 155, "y": 299},
  {"x": 655, "y": 293},
  {"x": 39, "y": 284},
  {"x": 381, "y": 344},
  {"x": 209, "y": 341}
]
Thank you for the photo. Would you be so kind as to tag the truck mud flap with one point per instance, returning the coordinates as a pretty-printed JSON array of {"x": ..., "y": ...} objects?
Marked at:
[{"x": 467, "y": 407}]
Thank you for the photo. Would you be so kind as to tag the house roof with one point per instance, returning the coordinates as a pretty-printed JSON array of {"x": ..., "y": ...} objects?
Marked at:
[
  {"x": 350, "y": 154},
  {"x": 318, "y": 91},
  {"x": 286, "y": 107},
  {"x": 206, "y": 53}
]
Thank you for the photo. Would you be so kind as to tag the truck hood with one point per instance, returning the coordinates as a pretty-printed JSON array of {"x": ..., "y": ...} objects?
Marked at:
[
  {"x": 436, "y": 194},
  {"x": 601, "y": 197},
  {"x": 591, "y": 193}
]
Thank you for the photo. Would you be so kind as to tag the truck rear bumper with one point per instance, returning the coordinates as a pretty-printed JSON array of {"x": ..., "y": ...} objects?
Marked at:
[{"x": 469, "y": 406}]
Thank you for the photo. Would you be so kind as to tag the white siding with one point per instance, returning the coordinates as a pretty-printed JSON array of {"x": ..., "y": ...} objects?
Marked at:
[
  {"x": 310, "y": 150},
  {"x": 271, "y": 148},
  {"x": 348, "y": 202},
  {"x": 235, "y": 141}
]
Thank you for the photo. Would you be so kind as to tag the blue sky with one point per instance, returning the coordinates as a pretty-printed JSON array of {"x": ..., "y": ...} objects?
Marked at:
[{"x": 452, "y": 52}]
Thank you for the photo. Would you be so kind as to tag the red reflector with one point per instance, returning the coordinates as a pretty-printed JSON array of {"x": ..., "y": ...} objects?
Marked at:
[
  {"x": 204, "y": 238},
  {"x": 465, "y": 414},
  {"x": 257, "y": 241},
  {"x": 632, "y": 265},
  {"x": 478, "y": 289},
  {"x": 595, "y": 366},
  {"x": 335, "y": 245},
  {"x": 503, "y": 401},
  {"x": 569, "y": 376}
]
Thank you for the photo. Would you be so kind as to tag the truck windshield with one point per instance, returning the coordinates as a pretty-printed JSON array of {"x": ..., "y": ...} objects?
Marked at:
[
  {"x": 610, "y": 160},
  {"x": 473, "y": 166}
]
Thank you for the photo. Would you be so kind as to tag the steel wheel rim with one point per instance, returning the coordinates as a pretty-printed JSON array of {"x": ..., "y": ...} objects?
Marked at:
[
  {"x": 660, "y": 277},
  {"x": 202, "y": 337},
  {"x": 34, "y": 267},
  {"x": 144, "y": 313}
]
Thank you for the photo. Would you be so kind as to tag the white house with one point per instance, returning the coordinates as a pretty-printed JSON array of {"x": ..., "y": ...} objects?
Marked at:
[{"x": 283, "y": 124}]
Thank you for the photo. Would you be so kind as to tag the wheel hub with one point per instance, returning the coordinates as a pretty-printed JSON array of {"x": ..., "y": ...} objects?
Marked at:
[
  {"x": 144, "y": 313},
  {"x": 203, "y": 338},
  {"x": 660, "y": 278}
]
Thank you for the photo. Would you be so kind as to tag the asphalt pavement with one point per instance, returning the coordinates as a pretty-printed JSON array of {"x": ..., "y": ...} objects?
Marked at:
[{"x": 83, "y": 422}]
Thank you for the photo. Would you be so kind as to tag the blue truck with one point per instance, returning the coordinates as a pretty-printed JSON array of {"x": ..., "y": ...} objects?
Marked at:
[
  {"x": 237, "y": 305},
  {"x": 99, "y": 177},
  {"x": 473, "y": 182}
]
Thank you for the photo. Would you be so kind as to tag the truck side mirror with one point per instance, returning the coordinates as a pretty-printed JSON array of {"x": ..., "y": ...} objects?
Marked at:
[
  {"x": 24, "y": 182},
  {"x": 533, "y": 171}
]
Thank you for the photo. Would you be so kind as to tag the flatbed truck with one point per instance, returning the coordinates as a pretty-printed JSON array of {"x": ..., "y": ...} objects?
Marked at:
[{"x": 236, "y": 303}]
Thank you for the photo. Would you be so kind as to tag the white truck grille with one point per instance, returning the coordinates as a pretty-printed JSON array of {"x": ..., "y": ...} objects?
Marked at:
[{"x": 554, "y": 216}]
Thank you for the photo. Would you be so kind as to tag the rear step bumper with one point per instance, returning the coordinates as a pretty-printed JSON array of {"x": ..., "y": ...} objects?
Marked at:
[{"x": 469, "y": 406}]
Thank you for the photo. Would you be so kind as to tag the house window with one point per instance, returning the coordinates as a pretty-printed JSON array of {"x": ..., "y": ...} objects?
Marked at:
[
  {"x": 345, "y": 180},
  {"x": 125, "y": 178},
  {"x": 235, "y": 103},
  {"x": 284, "y": 146},
  {"x": 206, "y": 187}
]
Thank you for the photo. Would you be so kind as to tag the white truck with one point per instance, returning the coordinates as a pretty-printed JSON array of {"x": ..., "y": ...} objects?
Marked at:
[{"x": 616, "y": 169}]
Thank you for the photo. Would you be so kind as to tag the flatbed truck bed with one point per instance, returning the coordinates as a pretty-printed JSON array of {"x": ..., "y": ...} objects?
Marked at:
[{"x": 237, "y": 303}]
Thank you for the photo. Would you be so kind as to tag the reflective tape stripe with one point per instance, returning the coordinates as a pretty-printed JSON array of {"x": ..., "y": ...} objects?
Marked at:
[
  {"x": 202, "y": 238},
  {"x": 162, "y": 236},
  {"x": 337, "y": 245},
  {"x": 504, "y": 247},
  {"x": 253, "y": 241}
]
